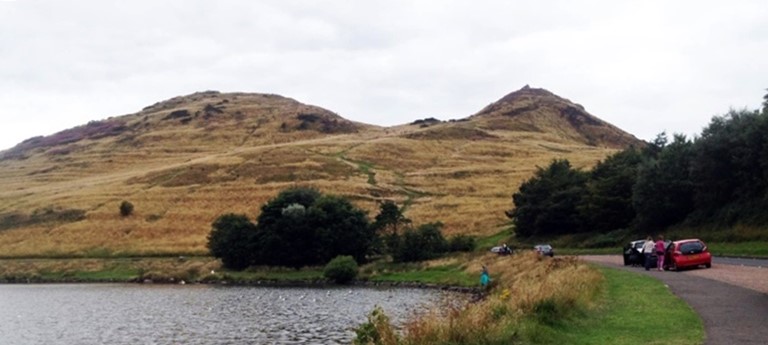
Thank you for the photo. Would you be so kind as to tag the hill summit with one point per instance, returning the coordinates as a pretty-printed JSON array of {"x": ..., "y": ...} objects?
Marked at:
[
  {"x": 539, "y": 110},
  {"x": 185, "y": 161}
]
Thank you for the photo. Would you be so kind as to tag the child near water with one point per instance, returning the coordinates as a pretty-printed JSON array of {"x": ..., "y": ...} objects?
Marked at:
[{"x": 485, "y": 278}]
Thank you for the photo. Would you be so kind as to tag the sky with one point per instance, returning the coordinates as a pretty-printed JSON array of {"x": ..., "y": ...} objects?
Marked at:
[{"x": 644, "y": 66}]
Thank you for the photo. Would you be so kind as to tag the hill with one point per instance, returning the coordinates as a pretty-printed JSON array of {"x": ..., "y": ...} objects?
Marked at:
[{"x": 185, "y": 161}]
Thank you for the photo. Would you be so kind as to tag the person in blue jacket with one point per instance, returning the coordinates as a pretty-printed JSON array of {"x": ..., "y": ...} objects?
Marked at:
[{"x": 485, "y": 278}]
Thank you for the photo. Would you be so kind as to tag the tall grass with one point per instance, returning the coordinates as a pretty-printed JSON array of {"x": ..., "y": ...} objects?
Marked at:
[{"x": 525, "y": 286}]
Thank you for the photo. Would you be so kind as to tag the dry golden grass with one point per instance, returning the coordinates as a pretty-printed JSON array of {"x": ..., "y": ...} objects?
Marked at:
[
  {"x": 524, "y": 286},
  {"x": 236, "y": 151},
  {"x": 120, "y": 269}
]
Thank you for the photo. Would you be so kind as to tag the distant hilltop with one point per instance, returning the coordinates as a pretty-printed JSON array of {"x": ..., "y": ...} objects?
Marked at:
[{"x": 184, "y": 161}]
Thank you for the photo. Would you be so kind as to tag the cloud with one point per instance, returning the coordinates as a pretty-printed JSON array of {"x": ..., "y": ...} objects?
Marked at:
[{"x": 644, "y": 66}]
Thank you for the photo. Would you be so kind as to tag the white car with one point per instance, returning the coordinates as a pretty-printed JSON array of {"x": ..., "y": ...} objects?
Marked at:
[
  {"x": 501, "y": 250},
  {"x": 633, "y": 253}
]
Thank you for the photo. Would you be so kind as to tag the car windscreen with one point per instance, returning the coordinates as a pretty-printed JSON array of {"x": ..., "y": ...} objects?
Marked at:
[{"x": 691, "y": 247}]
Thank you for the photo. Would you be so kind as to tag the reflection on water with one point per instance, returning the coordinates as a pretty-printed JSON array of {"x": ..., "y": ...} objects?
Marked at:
[{"x": 165, "y": 314}]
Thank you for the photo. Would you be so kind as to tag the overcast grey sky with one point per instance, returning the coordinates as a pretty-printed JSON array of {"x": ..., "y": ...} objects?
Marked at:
[{"x": 644, "y": 66}]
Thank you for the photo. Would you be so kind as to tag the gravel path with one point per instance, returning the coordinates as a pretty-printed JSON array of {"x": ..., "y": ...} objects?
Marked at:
[{"x": 731, "y": 300}]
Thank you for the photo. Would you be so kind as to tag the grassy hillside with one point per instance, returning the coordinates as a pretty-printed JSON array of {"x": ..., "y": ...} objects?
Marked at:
[{"x": 185, "y": 161}]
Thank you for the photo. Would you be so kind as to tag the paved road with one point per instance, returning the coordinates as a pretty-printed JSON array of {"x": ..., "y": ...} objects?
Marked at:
[
  {"x": 740, "y": 262},
  {"x": 731, "y": 314}
]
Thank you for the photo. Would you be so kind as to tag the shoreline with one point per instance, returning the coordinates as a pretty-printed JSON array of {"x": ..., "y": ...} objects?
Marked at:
[{"x": 260, "y": 282}]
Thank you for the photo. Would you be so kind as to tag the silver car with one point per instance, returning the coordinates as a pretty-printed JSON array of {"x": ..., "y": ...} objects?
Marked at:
[{"x": 544, "y": 250}]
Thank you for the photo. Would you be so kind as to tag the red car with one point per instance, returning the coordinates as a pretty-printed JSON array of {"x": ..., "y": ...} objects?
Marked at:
[{"x": 687, "y": 253}]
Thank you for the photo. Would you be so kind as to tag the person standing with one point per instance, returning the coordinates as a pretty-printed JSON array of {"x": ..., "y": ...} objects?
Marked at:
[
  {"x": 660, "y": 252},
  {"x": 648, "y": 249},
  {"x": 485, "y": 278}
]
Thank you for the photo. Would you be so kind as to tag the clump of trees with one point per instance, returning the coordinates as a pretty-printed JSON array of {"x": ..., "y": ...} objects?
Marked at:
[
  {"x": 718, "y": 178},
  {"x": 405, "y": 243},
  {"x": 301, "y": 227}
]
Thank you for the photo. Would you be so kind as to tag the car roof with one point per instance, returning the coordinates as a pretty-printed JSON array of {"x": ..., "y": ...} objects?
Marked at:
[{"x": 688, "y": 240}]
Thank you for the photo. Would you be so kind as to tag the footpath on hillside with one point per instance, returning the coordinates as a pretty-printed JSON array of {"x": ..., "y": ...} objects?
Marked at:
[{"x": 732, "y": 314}]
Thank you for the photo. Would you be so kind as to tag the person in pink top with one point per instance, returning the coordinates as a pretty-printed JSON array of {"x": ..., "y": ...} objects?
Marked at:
[{"x": 660, "y": 253}]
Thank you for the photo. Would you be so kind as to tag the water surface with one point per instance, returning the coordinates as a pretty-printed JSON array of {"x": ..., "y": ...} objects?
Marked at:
[{"x": 195, "y": 314}]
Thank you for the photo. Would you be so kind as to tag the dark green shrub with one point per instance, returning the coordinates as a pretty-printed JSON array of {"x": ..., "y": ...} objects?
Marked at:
[
  {"x": 342, "y": 269},
  {"x": 424, "y": 243},
  {"x": 377, "y": 330},
  {"x": 126, "y": 208},
  {"x": 301, "y": 227},
  {"x": 231, "y": 240},
  {"x": 461, "y": 243}
]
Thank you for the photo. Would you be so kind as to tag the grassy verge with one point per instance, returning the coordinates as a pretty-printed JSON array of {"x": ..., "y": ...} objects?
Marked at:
[
  {"x": 751, "y": 249},
  {"x": 553, "y": 301},
  {"x": 208, "y": 269},
  {"x": 107, "y": 269},
  {"x": 634, "y": 308},
  {"x": 588, "y": 251},
  {"x": 276, "y": 274},
  {"x": 451, "y": 274},
  {"x": 486, "y": 243}
]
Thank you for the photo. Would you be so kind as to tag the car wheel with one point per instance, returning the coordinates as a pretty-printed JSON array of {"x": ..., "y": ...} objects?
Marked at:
[
  {"x": 673, "y": 266},
  {"x": 708, "y": 265}
]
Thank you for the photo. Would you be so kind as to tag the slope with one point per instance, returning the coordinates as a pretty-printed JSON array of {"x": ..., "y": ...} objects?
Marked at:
[{"x": 185, "y": 161}]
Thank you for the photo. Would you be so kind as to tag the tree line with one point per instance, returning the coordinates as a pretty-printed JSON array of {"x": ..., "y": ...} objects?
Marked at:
[
  {"x": 302, "y": 227},
  {"x": 717, "y": 178}
]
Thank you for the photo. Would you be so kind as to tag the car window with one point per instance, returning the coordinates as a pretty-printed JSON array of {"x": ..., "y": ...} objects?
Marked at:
[
  {"x": 691, "y": 247},
  {"x": 639, "y": 245}
]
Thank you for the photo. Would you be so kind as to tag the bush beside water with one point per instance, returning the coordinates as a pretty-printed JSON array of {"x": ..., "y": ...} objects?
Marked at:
[{"x": 342, "y": 269}]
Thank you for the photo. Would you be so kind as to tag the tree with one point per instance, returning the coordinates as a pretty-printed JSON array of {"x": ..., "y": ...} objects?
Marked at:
[
  {"x": 424, "y": 243},
  {"x": 231, "y": 240},
  {"x": 387, "y": 225},
  {"x": 285, "y": 235},
  {"x": 302, "y": 227},
  {"x": 765, "y": 103},
  {"x": 390, "y": 218},
  {"x": 461, "y": 243},
  {"x": 730, "y": 168},
  {"x": 663, "y": 193},
  {"x": 607, "y": 204},
  {"x": 547, "y": 203},
  {"x": 126, "y": 208},
  {"x": 341, "y": 229}
]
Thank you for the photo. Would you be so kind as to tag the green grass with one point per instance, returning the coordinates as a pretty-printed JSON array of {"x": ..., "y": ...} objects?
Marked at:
[
  {"x": 589, "y": 251},
  {"x": 277, "y": 274},
  {"x": 753, "y": 248},
  {"x": 486, "y": 243},
  {"x": 442, "y": 275},
  {"x": 635, "y": 309},
  {"x": 115, "y": 274}
]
